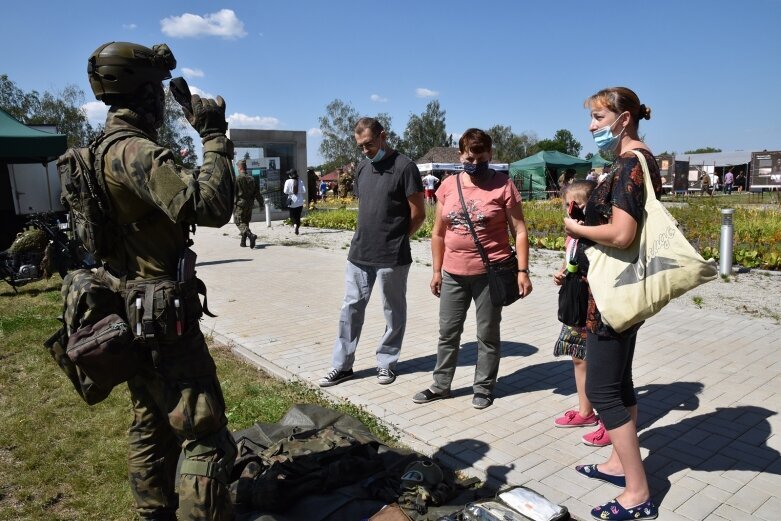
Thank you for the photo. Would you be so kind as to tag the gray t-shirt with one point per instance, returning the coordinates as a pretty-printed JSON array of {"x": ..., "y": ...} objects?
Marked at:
[{"x": 383, "y": 211}]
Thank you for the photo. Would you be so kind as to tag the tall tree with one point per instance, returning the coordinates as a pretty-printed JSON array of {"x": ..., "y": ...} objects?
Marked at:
[
  {"x": 425, "y": 131},
  {"x": 571, "y": 145},
  {"x": 393, "y": 139},
  {"x": 563, "y": 141},
  {"x": 174, "y": 133},
  {"x": 508, "y": 146},
  {"x": 62, "y": 109},
  {"x": 338, "y": 127},
  {"x": 338, "y": 144}
]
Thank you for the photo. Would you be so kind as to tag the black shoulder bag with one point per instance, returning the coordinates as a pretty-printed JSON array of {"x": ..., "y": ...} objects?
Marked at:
[{"x": 502, "y": 275}]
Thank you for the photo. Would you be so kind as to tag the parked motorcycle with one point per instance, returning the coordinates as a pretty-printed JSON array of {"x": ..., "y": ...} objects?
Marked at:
[{"x": 40, "y": 250}]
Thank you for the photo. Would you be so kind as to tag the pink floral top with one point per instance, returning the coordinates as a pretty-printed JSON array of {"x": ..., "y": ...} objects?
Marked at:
[{"x": 486, "y": 206}]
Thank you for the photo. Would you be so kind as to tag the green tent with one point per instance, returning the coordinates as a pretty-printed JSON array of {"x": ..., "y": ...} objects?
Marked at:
[
  {"x": 22, "y": 144},
  {"x": 539, "y": 173},
  {"x": 598, "y": 161}
]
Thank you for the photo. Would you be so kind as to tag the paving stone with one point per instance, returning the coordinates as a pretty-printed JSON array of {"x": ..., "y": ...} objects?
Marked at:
[
  {"x": 698, "y": 507},
  {"x": 770, "y": 510},
  {"x": 676, "y": 496},
  {"x": 748, "y": 499}
]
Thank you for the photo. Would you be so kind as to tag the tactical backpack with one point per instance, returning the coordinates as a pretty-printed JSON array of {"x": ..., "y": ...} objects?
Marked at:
[{"x": 85, "y": 196}]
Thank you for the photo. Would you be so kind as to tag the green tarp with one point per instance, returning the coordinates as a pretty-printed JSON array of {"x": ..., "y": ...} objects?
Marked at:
[
  {"x": 22, "y": 144},
  {"x": 598, "y": 161},
  {"x": 536, "y": 174}
]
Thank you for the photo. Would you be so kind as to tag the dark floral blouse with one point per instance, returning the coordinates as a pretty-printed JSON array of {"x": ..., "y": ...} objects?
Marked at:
[{"x": 624, "y": 188}]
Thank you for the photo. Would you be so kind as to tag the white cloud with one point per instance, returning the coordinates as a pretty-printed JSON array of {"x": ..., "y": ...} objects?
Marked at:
[
  {"x": 192, "y": 73},
  {"x": 314, "y": 132},
  {"x": 239, "y": 120},
  {"x": 421, "y": 92},
  {"x": 96, "y": 112},
  {"x": 223, "y": 23},
  {"x": 378, "y": 98},
  {"x": 129, "y": 26},
  {"x": 201, "y": 93}
]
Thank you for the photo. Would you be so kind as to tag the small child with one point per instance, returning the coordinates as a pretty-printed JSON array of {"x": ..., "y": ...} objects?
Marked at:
[{"x": 572, "y": 340}]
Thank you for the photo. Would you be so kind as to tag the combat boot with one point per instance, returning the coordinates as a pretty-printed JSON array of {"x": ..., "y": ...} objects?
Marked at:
[
  {"x": 243, "y": 243},
  {"x": 252, "y": 239}
]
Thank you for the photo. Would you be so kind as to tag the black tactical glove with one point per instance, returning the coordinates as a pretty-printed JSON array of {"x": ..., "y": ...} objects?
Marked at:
[{"x": 208, "y": 116}]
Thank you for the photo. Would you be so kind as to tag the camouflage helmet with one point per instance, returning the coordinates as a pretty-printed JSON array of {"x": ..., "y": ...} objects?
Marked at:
[{"x": 120, "y": 68}]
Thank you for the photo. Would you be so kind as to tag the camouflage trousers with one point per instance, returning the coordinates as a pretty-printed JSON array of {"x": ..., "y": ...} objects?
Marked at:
[
  {"x": 242, "y": 216},
  {"x": 179, "y": 407}
]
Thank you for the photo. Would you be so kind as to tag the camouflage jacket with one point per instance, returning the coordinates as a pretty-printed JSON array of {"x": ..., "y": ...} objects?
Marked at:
[
  {"x": 247, "y": 191},
  {"x": 154, "y": 200}
]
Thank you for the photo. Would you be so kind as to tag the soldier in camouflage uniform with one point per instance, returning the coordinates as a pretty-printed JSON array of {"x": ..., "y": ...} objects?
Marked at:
[
  {"x": 247, "y": 192},
  {"x": 342, "y": 180},
  {"x": 176, "y": 397}
]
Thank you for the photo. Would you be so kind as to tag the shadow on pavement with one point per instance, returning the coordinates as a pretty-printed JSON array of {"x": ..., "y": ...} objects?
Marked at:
[
  {"x": 463, "y": 454},
  {"x": 733, "y": 438},
  {"x": 467, "y": 357},
  {"x": 656, "y": 400}
]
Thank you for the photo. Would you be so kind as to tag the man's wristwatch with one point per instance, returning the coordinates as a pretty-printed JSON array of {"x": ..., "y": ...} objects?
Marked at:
[{"x": 525, "y": 270}]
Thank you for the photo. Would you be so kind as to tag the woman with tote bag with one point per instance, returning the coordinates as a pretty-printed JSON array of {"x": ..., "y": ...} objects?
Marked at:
[{"x": 613, "y": 217}]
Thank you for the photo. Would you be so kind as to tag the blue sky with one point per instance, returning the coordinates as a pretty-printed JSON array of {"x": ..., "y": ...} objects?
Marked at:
[{"x": 709, "y": 70}]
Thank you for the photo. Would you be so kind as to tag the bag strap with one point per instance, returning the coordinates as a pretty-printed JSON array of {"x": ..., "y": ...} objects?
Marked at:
[
  {"x": 469, "y": 222},
  {"x": 649, "y": 186}
]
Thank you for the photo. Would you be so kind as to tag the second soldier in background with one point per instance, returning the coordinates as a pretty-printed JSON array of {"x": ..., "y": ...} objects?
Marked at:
[{"x": 247, "y": 192}]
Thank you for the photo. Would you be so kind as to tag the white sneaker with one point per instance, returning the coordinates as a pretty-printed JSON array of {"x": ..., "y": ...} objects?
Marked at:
[{"x": 385, "y": 376}]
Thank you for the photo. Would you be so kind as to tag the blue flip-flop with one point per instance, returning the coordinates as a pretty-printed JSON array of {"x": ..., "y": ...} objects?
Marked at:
[
  {"x": 591, "y": 471},
  {"x": 613, "y": 511}
]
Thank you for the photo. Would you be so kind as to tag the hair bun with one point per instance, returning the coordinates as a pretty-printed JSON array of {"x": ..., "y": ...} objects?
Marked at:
[{"x": 645, "y": 112}]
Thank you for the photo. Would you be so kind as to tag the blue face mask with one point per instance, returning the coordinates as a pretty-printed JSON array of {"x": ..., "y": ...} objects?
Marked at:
[
  {"x": 604, "y": 137},
  {"x": 378, "y": 156},
  {"x": 476, "y": 170}
]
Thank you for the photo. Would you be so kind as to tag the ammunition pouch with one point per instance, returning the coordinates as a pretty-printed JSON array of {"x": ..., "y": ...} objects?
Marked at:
[{"x": 161, "y": 311}]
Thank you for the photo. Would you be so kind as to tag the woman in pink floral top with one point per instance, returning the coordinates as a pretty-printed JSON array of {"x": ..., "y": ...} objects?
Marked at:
[{"x": 494, "y": 207}]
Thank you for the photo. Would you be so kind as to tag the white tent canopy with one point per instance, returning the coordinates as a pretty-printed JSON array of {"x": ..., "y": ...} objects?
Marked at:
[{"x": 430, "y": 167}]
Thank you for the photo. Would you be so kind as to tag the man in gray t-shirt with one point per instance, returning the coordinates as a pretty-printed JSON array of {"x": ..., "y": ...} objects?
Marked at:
[{"x": 390, "y": 210}]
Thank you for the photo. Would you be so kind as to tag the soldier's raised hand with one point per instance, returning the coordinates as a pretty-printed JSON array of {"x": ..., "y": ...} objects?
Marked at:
[{"x": 208, "y": 116}]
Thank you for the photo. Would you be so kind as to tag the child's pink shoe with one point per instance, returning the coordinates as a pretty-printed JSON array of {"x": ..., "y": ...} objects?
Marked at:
[
  {"x": 574, "y": 419},
  {"x": 598, "y": 438}
]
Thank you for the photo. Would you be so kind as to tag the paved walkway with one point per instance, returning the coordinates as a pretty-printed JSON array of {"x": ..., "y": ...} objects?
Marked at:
[{"x": 709, "y": 385}]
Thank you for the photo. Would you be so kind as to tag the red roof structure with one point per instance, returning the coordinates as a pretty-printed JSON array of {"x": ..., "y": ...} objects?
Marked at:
[{"x": 333, "y": 175}]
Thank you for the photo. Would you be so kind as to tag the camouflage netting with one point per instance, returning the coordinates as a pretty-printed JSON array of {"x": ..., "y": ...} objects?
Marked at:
[{"x": 29, "y": 240}]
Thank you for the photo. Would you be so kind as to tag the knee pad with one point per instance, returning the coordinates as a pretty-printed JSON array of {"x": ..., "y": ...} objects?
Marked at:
[{"x": 212, "y": 457}]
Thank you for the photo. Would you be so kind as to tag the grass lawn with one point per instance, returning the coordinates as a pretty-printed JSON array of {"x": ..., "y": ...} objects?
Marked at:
[{"x": 62, "y": 459}]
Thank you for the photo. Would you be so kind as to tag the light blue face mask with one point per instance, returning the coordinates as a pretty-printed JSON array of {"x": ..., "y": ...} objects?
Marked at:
[
  {"x": 604, "y": 137},
  {"x": 378, "y": 156}
]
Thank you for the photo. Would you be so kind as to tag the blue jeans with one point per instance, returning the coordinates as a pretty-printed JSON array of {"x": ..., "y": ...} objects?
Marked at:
[{"x": 359, "y": 281}]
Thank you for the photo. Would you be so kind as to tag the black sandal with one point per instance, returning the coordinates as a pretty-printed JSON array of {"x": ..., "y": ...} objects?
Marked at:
[{"x": 429, "y": 396}]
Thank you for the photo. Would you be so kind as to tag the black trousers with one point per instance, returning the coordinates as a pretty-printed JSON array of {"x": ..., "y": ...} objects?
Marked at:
[
  {"x": 609, "y": 384},
  {"x": 295, "y": 215}
]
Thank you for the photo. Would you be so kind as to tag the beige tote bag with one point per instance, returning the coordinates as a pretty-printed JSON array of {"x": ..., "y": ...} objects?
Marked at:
[{"x": 634, "y": 284}]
